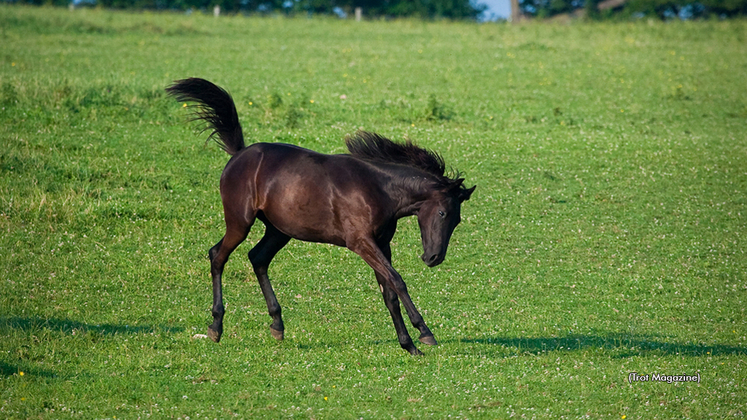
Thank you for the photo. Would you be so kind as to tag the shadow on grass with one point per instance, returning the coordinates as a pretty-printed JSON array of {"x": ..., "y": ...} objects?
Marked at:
[
  {"x": 10, "y": 370},
  {"x": 34, "y": 325},
  {"x": 623, "y": 345},
  {"x": 67, "y": 326}
]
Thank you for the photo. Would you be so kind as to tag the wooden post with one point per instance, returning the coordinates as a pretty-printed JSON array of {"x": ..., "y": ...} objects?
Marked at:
[
  {"x": 216, "y": 11},
  {"x": 358, "y": 14},
  {"x": 515, "y": 11}
]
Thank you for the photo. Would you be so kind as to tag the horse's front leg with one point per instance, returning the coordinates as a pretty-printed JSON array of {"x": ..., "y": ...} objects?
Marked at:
[
  {"x": 373, "y": 255},
  {"x": 392, "y": 303},
  {"x": 400, "y": 288}
]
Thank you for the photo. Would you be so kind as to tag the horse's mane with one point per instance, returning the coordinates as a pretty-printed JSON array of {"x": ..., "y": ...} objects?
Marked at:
[{"x": 371, "y": 146}]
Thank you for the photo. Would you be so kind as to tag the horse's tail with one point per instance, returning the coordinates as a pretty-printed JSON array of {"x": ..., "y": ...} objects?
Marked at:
[{"x": 215, "y": 107}]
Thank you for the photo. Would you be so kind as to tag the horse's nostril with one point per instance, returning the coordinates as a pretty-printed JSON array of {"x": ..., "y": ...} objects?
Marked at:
[{"x": 429, "y": 258}]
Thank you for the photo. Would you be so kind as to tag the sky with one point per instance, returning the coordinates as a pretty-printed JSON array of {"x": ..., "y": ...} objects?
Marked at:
[{"x": 496, "y": 9}]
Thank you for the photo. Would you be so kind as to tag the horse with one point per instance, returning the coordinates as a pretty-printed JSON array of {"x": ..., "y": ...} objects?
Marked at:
[{"x": 350, "y": 200}]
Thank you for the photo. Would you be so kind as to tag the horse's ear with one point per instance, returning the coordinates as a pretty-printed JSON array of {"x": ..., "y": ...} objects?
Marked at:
[
  {"x": 456, "y": 185},
  {"x": 466, "y": 193}
]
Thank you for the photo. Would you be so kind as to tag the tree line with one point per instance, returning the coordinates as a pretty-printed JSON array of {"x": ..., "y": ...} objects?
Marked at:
[
  {"x": 435, "y": 9},
  {"x": 429, "y": 9},
  {"x": 626, "y": 9}
]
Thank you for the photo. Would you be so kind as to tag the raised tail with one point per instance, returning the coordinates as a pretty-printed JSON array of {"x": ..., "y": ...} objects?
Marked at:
[{"x": 215, "y": 107}]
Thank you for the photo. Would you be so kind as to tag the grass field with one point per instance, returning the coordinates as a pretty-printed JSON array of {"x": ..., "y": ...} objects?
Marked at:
[{"x": 605, "y": 237}]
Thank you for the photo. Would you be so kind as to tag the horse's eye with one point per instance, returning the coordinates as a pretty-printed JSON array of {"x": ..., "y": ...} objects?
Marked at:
[{"x": 441, "y": 213}]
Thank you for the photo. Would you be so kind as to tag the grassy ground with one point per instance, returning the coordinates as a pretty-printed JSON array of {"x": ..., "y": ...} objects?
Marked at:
[{"x": 606, "y": 235}]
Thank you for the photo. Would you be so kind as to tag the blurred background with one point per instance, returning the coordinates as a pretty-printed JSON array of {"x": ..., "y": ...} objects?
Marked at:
[{"x": 479, "y": 10}]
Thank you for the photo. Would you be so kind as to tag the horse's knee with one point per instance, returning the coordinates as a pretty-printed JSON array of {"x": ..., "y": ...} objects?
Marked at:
[
  {"x": 399, "y": 286},
  {"x": 390, "y": 297}
]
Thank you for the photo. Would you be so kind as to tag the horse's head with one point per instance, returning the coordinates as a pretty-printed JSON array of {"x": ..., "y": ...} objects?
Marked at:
[{"x": 438, "y": 216}]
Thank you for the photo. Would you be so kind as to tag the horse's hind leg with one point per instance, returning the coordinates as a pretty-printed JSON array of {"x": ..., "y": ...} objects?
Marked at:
[
  {"x": 261, "y": 256},
  {"x": 235, "y": 234}
]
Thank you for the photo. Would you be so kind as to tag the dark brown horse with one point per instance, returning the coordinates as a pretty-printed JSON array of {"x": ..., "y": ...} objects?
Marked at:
[{"x": 350, "y": 200}]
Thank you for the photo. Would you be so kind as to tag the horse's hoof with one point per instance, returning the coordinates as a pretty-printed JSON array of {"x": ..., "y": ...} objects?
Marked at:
[
  {"x": 278, "y": 335},
  {"x": 214, "y": 335},
  {"x": 429, "y": 340},
  {"x": 415, "y": 352}
]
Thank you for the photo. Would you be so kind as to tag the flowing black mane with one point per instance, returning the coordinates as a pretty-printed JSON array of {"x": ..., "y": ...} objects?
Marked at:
[{"x": 371, "y": 146}]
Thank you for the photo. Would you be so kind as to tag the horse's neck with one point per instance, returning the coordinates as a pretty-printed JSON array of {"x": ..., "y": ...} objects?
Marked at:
[{"x": 409, "y": 189}]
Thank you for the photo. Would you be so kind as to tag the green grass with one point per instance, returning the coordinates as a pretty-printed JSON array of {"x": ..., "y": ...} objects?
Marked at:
[{"x": 606, "y": 234}]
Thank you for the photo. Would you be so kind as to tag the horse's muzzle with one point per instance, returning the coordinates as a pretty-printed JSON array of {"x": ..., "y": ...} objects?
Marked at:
[{"x": 432, "y": 260}]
